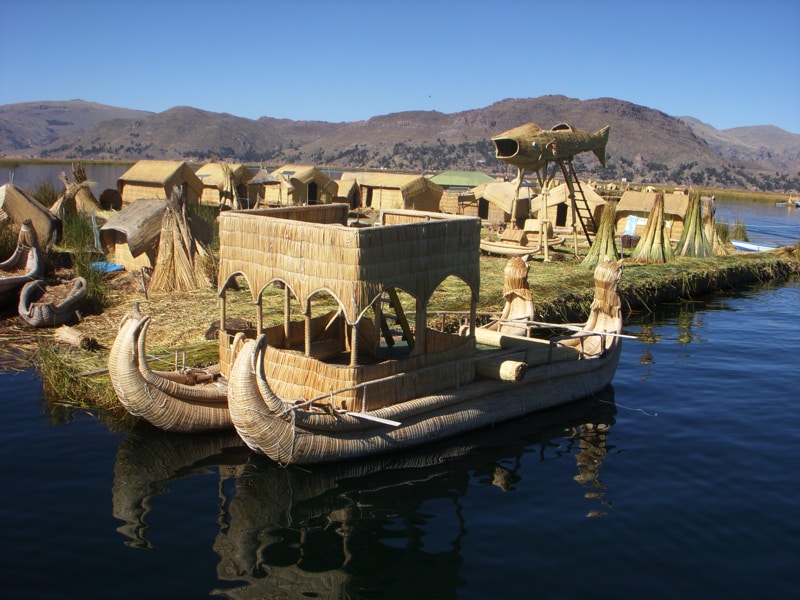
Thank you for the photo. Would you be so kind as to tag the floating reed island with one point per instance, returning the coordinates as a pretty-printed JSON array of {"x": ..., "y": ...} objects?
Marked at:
[{"x": 183, "y": 326}]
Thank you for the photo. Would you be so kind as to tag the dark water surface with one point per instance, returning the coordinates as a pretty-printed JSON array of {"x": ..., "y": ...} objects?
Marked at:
[{"x": 679, "y": 481}]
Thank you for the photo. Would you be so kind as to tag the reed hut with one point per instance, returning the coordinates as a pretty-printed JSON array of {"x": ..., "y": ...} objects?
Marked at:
[
  {"x": 348, "y": 193},
  {"x": 558, "y": 204},
  {"x": 397, "y": 191},
  {"x": 634, "y": 209},
  {"x": 457, "y": 186},
  {"x": 16, "y": 205},
  {"x": 298, "y": 185},
  {"x": 498, "y": 202},
  {"x": 224, "y": 184},
  {"x": 257, "y": 187},
  {"x": 157, "y": 179},
  {"x": 130, "y": 237}
]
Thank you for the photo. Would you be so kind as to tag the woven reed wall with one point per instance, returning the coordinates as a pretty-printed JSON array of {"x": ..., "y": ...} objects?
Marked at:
[
  {"x": 133, "y": 191},
  {"x": 354, "y": 264},
  {"x": 211, "y": 196},
  {"x": 115, "y": 244},
  {"x": 292, "y": 375}
]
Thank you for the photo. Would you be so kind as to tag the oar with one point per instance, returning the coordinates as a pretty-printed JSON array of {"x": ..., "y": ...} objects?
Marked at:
[
  {"x": 366, "y": 417},
  {"x": 571, "y": 328}
]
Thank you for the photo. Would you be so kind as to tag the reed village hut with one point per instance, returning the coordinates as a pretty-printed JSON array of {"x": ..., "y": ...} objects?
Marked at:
[
  {"x": 397, "y": 191},
  {"x": 256, "y": 187},
  {"x": 348, "y": 193},
  {"x": 634, "y": 208},
  {"x": 16, "y": 205},
  {"x": 497, "y": 202},
  {"x": 457, "y": 186},
  {"x": 157, "y": 179},
  {"x": 298, "y": 185},
  {"x": 224, "y": 184},
  {"x": 558, "y": 204},
  {"x": 130, "y": 237}
]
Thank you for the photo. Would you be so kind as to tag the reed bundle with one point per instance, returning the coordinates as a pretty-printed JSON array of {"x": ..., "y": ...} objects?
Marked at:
[
  {"x": 604, "y": 246},
  {"x": 693, "y": 240},
  {"x": 654, "y": 246},
  {"x": 182, "y": 261}
]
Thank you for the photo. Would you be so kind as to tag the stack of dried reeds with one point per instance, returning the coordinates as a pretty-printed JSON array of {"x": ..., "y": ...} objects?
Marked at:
[
  {"x": 693, "y": 241},
  {"x": 709, "y": 210},
  {"x": 604, "y": 246},
  {"x": 654, "y": 247},
  {"x": 183, "y": 263},
  {"x": 77, "y": 196}
]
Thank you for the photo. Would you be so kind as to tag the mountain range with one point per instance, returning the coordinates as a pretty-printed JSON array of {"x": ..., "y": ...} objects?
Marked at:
[{"x": 646, "y": 145}]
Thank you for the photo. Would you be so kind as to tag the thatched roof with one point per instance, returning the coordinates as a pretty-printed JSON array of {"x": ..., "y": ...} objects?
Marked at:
[
  {"x": 409, "y": 184},
  {"x": 161, "y": 173},
  {"x": 19, "y": 205},
  {"x": 632, "y": 202},
  {"x": 501, "y": 194},
  {"x": 412, "y": 251},
  {"x": 463, "y": 179},
  {"x": 346, "y": 188},
  {"x": 139, "y": 222},
  {"x": 262, "y": 176},
  {"x": 297, "y": 175},
  {"x": 213, "y": 174},
  {"x": 560, "y": 194}
]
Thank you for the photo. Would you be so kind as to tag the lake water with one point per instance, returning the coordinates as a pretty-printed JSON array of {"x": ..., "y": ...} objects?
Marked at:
[{"x": 678, "y": 481}]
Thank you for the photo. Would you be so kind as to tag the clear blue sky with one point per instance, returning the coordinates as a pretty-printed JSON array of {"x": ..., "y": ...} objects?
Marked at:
[{"x": 728, "y": 63}]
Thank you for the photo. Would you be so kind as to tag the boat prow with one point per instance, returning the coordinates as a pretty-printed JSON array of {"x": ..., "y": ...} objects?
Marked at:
[
  {"x": 26, "y": 264},
  {"x": 187, "y": 400}
]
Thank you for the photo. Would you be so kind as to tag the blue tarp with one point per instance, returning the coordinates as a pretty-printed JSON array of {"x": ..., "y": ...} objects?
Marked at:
[{"x": 106, "y": 267}]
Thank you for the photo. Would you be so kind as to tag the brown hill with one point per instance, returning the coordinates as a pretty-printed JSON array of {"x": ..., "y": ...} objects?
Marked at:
[{"x": 645, "y": 144}]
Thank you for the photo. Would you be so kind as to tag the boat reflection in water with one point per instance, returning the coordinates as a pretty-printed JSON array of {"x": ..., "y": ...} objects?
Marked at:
[
  {"x": 148, "y": 459},
  {"x": 336, "y": 530}
]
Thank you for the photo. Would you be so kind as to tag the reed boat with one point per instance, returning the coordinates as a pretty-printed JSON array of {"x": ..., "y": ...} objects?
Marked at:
[
  {"x": 335, "y": 386},
  {"x": 23, "y": 266},
  {"x": 43, "y": 305},
  {"x": 184, "y": 400}
]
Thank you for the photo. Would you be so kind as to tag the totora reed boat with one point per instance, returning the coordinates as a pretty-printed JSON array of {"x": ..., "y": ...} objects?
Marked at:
[
  {"x": 185, "y": 400},
  {"x": 43, "y": 305},
  {"x": 353, "y": 367},
  {"x": 337, "y": 383},
  {"x": 23, "y": 266}
]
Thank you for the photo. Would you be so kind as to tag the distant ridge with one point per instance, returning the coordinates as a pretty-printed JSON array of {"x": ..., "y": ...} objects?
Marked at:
[{"x": 645, "y": 144}]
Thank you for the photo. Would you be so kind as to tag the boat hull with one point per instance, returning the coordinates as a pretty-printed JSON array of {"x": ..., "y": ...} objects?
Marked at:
[
  {"x": 184, "y": 401},
  {"x": 296, "y": 436},
  {"x": 64, "y": 310},
  {"x": 752, "y": 246}
]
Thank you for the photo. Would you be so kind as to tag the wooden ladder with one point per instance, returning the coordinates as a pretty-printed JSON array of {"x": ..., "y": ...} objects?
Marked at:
[
  {"x": 399, "y": 317},
  {"x": 578, "y": 199}
]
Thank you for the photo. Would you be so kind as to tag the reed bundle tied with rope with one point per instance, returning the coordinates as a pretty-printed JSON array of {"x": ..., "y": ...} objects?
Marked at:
[
  {"x": 604, "y": 246},
  {"x": 654, "y": 246},
  {"x": 693, "y": 240}
]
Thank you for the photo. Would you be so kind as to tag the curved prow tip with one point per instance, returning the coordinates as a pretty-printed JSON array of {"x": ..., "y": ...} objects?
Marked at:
[
  {"x": 258, "y": 350},
  {"x": 140, "y": 333}
]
